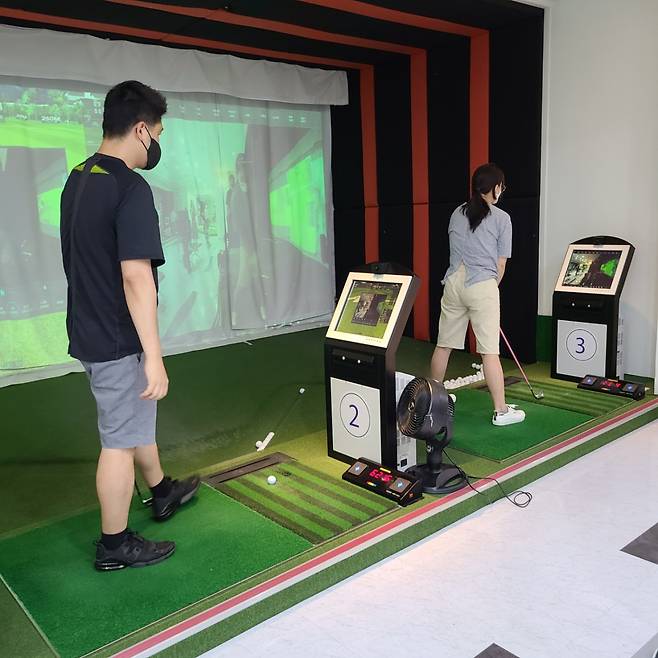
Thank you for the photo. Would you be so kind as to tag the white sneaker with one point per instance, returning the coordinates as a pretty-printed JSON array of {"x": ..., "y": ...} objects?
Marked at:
[{"x": 510, "y": 417}]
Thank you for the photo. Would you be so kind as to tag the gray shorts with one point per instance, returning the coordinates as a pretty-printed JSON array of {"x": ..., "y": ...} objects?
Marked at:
[{"x": 124, "y": 419}]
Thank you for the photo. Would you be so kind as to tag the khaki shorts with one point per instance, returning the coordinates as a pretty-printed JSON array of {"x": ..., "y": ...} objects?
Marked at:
[{"x": 479, "y": 303}]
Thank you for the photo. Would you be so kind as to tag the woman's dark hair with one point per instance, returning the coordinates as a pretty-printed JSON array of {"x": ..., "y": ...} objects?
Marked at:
[
  {"x": 129, "y": 103},
  {"x": 485, "y": 178}
]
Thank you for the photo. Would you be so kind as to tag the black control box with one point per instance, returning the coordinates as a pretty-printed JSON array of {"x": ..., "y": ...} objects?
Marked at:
[
  {"x": 395, "y": 485},
  {"x": 613, "y": 387}
]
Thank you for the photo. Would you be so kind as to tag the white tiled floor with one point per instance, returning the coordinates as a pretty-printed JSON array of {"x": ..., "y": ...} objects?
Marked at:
[{"x": 545, "y": 582}]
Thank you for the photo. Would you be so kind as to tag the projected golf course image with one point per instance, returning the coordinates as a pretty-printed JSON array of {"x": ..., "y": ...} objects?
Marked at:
[{"x": 240, "y": 192}]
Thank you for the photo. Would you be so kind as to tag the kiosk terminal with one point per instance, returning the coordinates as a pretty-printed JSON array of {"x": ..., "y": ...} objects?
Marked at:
[
  {"x": 359, "y": 357},
  {"x": 586, "y": 324}
]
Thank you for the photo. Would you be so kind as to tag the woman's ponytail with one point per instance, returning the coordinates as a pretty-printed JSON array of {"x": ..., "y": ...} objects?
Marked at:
[{"x": 485, "y": 178}]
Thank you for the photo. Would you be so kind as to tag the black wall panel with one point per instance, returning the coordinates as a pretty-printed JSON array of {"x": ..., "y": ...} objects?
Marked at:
[
  {"x": 448, "y": 112},
  {"x": 347, "y": 179},
  {"x": 516, "y": 88}
]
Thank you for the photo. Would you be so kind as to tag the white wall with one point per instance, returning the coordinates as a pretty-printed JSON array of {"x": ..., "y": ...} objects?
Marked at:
[{"x": 600, "y": 150}]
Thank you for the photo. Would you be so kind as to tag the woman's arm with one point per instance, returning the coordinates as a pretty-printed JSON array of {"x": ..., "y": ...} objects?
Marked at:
[{"x": 502, "y": 263}]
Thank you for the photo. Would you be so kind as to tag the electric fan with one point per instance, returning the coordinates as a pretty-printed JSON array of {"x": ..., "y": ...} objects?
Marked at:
[{"x": 425, "y": 412}]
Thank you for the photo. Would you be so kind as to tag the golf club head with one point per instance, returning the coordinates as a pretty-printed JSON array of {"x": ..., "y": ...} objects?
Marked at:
[{"x": 539, "y": 395}]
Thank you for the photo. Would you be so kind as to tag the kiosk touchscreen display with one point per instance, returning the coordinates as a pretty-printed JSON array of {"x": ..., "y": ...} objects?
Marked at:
[
  {"x": 368, "y": 308},
  {"x": 592, "y": 269}
]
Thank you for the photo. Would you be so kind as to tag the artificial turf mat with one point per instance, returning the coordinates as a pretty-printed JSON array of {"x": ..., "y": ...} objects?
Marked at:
[
  {"x": 308, "y": 502},
  {"x": 474, "y": 433},
  {"x": 213, "y": 413},
  {"x": 283, "y": 600},
  {"x": 209, "y": 421},
  {"x": 219, "y": 542},
  {"x": 566, "y": 395}
]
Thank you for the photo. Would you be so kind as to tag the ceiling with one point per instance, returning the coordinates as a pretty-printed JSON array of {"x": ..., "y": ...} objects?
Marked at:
[{"x": 370, "y": 31}]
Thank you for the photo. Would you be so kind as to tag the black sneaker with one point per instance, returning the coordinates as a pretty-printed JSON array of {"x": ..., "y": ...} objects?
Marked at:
[
  {"x": 134, "y": 552},
  {"x": 181, "y": 491}
]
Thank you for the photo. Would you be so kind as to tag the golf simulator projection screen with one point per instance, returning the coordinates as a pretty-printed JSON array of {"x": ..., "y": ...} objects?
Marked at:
[
  {"x": 368, "y": 308},
  {"x": 592, "y": 268},
  {"x": 244, "y": 200}
]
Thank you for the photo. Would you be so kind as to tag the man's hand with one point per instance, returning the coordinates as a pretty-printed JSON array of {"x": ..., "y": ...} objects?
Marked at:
[
  {"x": 156, "y": 377},
  {"x": 141, "y": 297}
]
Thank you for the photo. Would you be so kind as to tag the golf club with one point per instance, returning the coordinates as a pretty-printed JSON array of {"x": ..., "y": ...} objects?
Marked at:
[
  {"x": 145, "y": 501},
  {"x": 540, "y": 394}
]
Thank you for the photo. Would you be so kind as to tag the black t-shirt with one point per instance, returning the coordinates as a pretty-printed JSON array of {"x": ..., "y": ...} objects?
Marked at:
[{"x": 116, "y": 221}]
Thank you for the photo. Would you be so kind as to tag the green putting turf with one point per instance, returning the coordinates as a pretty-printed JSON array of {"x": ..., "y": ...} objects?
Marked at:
[
  {"x": 474, "y": 433},
  {"x": 311, "y": 504},
  {"x": 219, "y": 542}
]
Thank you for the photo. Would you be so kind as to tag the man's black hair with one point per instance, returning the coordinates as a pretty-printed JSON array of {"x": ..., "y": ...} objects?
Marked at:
[{"x": 129, "y": 103}]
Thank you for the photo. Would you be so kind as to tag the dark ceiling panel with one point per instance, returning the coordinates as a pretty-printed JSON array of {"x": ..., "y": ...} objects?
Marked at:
[
  {"x": 339, "y": 22},
  {"x": 172, "y": 24},
  {"x": 479, "y": 13},
  {"x": 488, "y": 14},
  {"x": 286, "y": 43},
  {"x": 100, "y": 11}
]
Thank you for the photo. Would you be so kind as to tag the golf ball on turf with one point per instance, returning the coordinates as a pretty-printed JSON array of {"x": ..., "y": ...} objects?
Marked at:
[
  {"x": 302, "y": 390},
  {"x": 271, "y": 479}
]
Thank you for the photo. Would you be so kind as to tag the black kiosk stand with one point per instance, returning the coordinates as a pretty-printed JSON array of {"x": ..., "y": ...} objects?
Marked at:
[
  {"x": 359, "y": 362},
  {"x": 586, "y": 308}
]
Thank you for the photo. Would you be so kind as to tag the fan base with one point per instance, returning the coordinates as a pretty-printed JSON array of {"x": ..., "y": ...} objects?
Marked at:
[{"x": 442, "y": 481}]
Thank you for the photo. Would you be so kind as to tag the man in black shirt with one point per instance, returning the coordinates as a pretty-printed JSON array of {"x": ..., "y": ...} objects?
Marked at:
[{"x": 111, "y": 251}]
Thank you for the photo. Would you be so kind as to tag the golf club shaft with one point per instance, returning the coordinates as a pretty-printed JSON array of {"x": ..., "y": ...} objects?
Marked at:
[
  {"x": 285, "y": 416},
  {"x": 518, "y": 365},
  {"x": 145, "y": 501}
]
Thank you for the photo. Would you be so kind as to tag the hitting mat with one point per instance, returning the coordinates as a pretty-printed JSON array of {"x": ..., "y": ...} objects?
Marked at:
[
  {"x": 474, "y": 433},
  {"x": 219, "y": 542},
  {"x": 311, "y": 504},
  {"x": 565, "y": 395}
]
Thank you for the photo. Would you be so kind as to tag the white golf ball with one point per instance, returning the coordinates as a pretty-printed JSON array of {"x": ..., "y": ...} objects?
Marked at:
[
  {"x": 259, "y": 444},
  {"x": 302, "y": 390},
  {"x": 271, "y": 479}
]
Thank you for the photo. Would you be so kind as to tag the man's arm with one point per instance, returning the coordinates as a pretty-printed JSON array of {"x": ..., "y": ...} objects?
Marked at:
[
  {"x": 502, "y": 263},
  {"x": 141, "y": 297}
]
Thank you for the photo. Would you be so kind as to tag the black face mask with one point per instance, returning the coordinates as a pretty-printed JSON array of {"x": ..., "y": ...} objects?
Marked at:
[{"x": 153, "y": 152}]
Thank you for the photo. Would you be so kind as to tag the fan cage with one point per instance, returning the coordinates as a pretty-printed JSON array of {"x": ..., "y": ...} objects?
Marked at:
[{"x": 414, "y": 407}]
